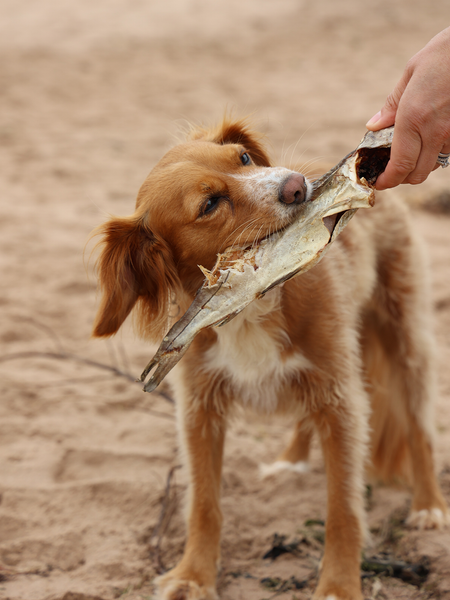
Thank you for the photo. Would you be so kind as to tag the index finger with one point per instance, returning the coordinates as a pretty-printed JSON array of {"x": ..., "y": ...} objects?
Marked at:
[{"x": 405, "y": 152}]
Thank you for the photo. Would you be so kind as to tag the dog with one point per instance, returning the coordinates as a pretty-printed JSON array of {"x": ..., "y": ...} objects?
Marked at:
[{"x": 345, "y": 348}]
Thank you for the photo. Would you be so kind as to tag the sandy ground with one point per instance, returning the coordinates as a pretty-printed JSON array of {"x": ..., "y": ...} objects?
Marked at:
[{"x": 92, "y": 94}]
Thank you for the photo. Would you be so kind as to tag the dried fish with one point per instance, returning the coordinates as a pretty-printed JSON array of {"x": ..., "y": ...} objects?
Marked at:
[{"x": 242, "y": 275}]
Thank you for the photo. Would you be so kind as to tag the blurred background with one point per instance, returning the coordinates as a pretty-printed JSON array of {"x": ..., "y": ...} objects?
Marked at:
[{"x": 91, "y": 95}]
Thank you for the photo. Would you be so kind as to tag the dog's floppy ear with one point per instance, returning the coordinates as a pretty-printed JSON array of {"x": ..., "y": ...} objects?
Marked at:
[
  {"x": 236, "y": 132},
  {"x": 134, "y": 266}
]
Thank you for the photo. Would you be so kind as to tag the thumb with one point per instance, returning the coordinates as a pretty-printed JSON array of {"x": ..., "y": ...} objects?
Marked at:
[{"x": 386, "y": 116}]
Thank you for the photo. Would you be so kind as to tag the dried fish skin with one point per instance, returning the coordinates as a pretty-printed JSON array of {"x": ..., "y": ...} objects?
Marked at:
[{"x": 242, "y": 275}]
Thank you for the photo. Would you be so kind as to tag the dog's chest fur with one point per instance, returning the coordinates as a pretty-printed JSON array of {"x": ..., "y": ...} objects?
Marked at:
[{"x": 255, "y": 354}]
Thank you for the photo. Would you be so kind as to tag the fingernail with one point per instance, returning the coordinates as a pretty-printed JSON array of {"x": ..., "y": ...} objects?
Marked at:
[{"x": 374, "y": 119}]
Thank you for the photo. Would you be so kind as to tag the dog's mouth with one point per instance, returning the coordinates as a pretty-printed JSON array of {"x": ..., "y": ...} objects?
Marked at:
[
  {"x": 273, "y": 231},
  {"x": 238, "y": 257},
  {"x": 287, "y": 222},
  {"x": 272, "y": 234}
]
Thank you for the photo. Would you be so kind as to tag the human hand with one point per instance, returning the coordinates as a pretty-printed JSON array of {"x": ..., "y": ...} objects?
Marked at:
[{"x": 420, "y": 108}]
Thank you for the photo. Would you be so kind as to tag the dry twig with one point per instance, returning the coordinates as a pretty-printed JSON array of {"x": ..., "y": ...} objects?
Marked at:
[
  {"x": 62, "y": 355},
  {"x": 168, "y": 506}
]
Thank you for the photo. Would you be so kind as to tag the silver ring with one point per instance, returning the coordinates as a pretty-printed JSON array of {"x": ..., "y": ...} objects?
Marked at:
[{"x": 442, "y": 159}]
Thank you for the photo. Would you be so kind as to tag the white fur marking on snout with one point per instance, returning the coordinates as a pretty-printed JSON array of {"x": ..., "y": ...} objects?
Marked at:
[{"x": 266, "y": 181}]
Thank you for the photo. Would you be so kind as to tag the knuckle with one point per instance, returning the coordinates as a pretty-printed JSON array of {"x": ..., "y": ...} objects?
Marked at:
[
  {"x": 444, "y": 133},
  {"x": 417, "y": 117},
  {"x": 404, "y": 166},
  {"x": 411, "y": 66},
  {"x": 417, "y": 178},
  {"x": 391, "y": 102}
]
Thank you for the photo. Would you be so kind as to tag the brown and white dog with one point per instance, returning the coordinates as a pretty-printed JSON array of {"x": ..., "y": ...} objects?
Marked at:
[{"x": 344, "y": 348}]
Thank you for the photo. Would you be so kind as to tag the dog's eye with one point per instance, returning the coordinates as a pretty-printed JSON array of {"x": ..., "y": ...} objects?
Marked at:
[
  {"x": 210, "y": 204},
  {"x": 245, "y": 159}
]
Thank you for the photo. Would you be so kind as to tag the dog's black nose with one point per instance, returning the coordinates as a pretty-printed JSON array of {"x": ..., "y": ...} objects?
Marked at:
[{"x": 293, "y": 190}]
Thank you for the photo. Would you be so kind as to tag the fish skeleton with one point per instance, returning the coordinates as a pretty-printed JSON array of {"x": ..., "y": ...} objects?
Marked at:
[{"x": 242, "y": 275}]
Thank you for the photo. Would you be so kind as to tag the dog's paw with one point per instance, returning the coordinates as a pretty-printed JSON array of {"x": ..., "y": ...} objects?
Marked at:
[
  {"x": 343, "y": 590},
  {"x": 341, "y": 596},
  {"x": 283, "y": 465},
  {"x": 170, "y": 588},
  {"x": 433, "y": 518}
]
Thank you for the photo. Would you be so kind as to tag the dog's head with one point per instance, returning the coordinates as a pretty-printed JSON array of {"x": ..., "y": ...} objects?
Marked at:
[{"x": 211, "y": 192}]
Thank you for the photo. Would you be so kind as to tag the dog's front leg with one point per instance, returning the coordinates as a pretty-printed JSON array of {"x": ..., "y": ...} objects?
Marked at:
[
  {"x": 343, "y": 435},
  {"x": 203, "y": 433}
]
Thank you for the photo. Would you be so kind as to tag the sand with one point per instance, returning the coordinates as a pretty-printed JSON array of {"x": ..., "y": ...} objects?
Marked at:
[{"x": 92, "y": 94}]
